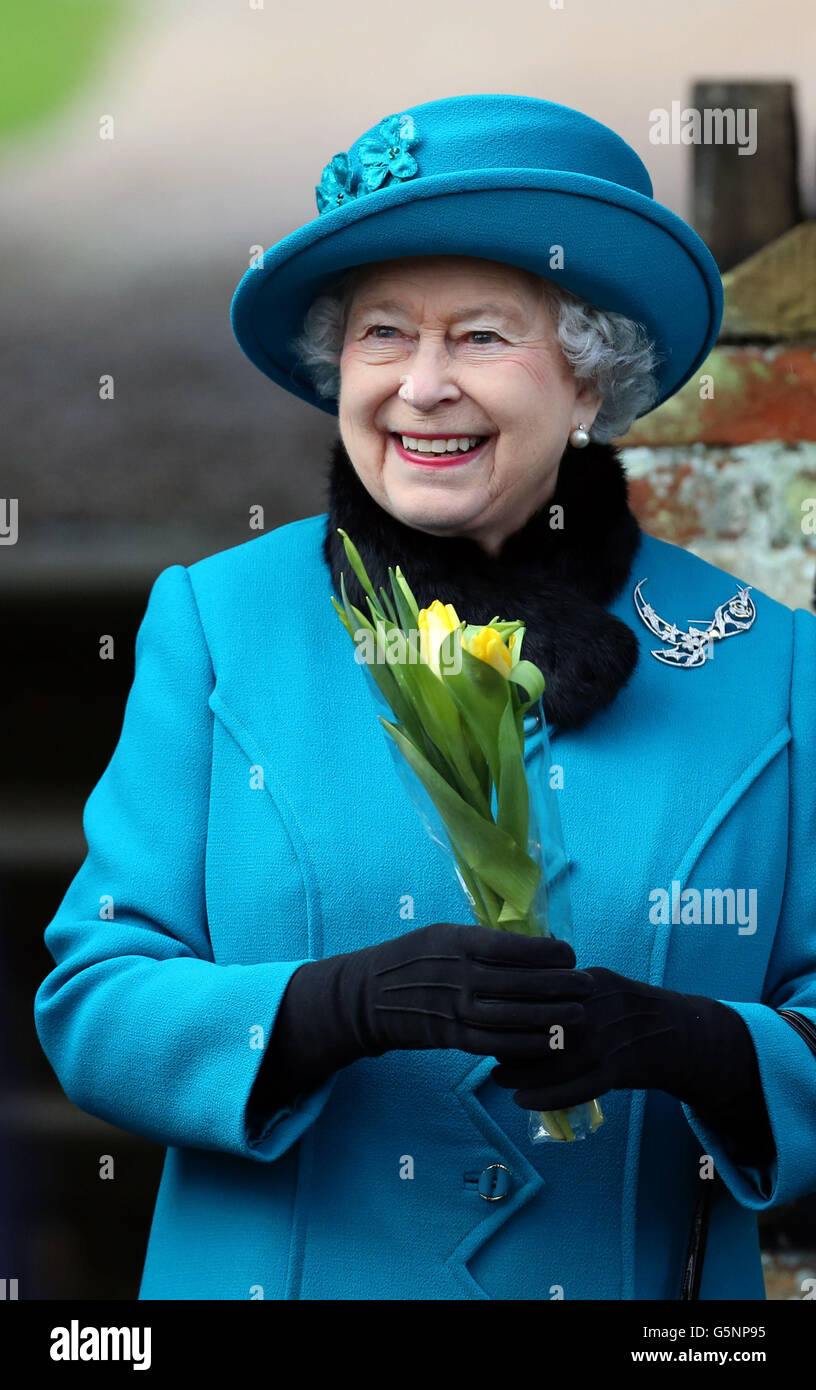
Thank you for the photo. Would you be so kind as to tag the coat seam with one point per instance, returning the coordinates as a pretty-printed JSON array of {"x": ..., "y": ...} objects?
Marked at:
[
  {"x": 297, "y": 1232},
  {"x": 277, "y": 798},
  {"x": 206, "y": 646},
  {"x": 294, "y": 1260},
  {"x": 786, "y": 880}
]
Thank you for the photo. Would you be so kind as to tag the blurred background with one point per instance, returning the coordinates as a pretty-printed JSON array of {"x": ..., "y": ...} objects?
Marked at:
[{"x": 119, "y": 256}]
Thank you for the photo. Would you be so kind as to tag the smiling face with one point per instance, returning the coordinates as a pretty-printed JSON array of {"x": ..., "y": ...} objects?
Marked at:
[{"x": 453, "y": 347}]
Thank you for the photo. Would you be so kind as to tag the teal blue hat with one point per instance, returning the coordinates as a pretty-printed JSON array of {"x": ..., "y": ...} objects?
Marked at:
[{"x": 503, "y": 178}]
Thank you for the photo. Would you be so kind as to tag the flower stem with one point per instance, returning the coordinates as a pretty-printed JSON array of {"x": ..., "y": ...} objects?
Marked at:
[
  {"x": 596, "y": 1113},
  {"x": 485, "y": 909},
  {"x": 556, "y": 1124}
]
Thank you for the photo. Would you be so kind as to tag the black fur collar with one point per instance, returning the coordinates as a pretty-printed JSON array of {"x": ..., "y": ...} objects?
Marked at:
[{"x": 556, "y": 581}]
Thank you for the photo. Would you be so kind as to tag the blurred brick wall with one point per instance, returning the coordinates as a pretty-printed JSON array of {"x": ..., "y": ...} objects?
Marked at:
[{"x": 726, "y": 467}]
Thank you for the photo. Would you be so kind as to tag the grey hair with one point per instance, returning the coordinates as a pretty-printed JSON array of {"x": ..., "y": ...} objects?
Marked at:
[{"x": 614, "y": 353}]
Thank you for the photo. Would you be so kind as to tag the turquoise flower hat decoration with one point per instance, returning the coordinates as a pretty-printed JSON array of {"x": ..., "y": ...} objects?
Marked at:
[
  {"x": 335, "y": 187},
  {"x": 383, "y": 157},
  {"x": 387, "y": 152}
]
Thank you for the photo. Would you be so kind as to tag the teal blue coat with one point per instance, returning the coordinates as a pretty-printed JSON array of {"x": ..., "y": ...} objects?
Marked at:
[{"x": 251, "y": 818}]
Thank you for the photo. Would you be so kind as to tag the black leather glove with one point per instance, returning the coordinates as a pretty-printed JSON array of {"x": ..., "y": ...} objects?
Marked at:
[
  {"x": 447, "y": 985},
  {"x": 629, "y": 1035}
]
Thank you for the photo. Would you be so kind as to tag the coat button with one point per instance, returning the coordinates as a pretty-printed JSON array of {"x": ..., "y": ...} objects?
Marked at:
[{"x": 493, "y": 1183}]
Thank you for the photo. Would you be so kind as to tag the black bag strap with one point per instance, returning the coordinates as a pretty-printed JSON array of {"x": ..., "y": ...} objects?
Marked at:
[
  {"x": 698, "y": 1236},
  {"x": 801, "y": 1025}
]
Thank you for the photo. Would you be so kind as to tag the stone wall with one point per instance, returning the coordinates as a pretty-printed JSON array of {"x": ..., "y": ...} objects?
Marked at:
[{"x": 727, "y": 466}]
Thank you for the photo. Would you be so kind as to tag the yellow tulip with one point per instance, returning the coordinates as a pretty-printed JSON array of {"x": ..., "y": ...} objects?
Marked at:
[
  {"x": 488, "y": 646},
  {"x": 435, "y": 624}
]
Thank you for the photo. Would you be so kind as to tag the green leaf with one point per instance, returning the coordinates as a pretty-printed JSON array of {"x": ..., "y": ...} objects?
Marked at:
[
  {"x": 521, "y": 632},
  {"x": 487, "y": 849},
  {"x": 408, "y": 618},
  {"x": 478, "y": 762},
  {"x": 407, "y": 593},
  {"x": 512, "y": 793},
  {"x": 482, "y": 694},
  {"x": 359, "y": 568},
  {"x": 528, "y": 676},
  {"x": 485, "y": 903},
  {"x": 382, "y": 672},
  {"x": 509, "y": 920},
  {"x": 343, "y": 618},
  {"x": 388, "y": 606},
  {"x": 356, "y": 619},
  {"x": 411, "y": 690},
  {"x": 439, "y": 715},
  {"x": 354, "y": 615}
]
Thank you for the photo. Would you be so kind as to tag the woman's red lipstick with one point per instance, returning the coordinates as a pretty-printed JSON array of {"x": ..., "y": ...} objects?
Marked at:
[{"x": 430, "y": 460}]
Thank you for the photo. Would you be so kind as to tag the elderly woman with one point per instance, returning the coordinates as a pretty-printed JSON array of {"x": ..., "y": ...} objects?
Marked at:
[{"x": 262, "y": 962}]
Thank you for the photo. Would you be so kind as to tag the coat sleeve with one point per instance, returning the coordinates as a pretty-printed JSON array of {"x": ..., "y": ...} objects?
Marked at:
[
  {"x": 141, "y": 1026},
  {"x": 786, "y": 1063}
]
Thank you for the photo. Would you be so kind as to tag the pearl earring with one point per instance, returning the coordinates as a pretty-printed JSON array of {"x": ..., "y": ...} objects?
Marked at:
[{"x": 579, "y": 437}]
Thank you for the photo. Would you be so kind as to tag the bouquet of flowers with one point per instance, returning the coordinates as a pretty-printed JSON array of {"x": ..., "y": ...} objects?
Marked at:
[{"x": 456, "y": 691}]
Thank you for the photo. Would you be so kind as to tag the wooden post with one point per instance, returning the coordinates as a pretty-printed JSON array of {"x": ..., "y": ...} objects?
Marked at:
[{"x": 741, "y": 201}]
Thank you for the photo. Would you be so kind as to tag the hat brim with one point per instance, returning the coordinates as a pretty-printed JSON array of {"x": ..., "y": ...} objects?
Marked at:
[{"x": 622, "y": 251}]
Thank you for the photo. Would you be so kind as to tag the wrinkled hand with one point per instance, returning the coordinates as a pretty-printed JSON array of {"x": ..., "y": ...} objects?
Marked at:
[{"x": 629, "y": 1035}]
